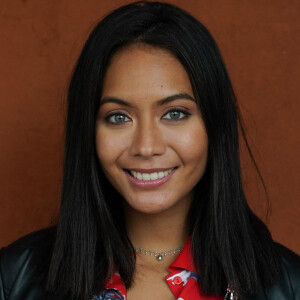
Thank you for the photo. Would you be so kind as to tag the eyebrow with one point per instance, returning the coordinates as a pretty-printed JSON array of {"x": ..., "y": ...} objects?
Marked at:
[{"x": 160, "y": 102}]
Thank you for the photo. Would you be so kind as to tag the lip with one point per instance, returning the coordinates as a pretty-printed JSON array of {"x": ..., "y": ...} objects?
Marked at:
[{"x": 148, "y": 184}]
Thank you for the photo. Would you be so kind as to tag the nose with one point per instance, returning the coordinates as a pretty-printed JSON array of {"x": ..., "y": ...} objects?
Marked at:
[{"x": 147, "y": 140}]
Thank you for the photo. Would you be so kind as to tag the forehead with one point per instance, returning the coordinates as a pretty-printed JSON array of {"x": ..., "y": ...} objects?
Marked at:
[{"x": 141, "y": 71}]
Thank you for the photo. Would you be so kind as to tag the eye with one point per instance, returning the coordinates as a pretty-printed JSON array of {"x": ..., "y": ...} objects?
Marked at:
[
  {"x": 176, "y": 114},
  {"x": 117, "y": 118}
]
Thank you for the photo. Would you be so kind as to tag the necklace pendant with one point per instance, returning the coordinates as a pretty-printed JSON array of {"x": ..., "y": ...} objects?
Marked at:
[{"x": 159, "y": 257}]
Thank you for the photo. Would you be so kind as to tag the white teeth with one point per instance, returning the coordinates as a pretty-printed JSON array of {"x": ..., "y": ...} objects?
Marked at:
[
  {"x": 146, "y": 176},
  {"x": 150, "y": 176},
  {"x": 161, "y": 174},
  {"x": 153, "y": 176}
]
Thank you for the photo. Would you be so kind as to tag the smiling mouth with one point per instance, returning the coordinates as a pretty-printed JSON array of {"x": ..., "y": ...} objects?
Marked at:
[{"x": 150, "y": 176}]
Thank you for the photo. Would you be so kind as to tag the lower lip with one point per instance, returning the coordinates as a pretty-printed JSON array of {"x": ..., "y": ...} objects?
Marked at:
[{"x": 148, "y": 184}]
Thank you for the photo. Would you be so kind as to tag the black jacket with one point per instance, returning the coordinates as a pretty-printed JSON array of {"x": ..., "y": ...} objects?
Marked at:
[{"x": 18, "y": 282}]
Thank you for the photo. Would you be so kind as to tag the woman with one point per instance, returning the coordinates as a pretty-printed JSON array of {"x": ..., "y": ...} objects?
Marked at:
[{"x": 152, "y": 203}]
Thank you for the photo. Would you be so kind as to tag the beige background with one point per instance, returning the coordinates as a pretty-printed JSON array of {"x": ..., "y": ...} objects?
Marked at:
[{"x": 40, "y": 42}]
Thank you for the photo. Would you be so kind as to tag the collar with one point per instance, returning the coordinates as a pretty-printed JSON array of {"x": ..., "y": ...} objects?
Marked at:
[{"x": 184, "y": 261}]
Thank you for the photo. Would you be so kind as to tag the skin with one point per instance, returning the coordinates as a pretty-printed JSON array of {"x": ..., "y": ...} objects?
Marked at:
[{"x": 147, "y": 134}]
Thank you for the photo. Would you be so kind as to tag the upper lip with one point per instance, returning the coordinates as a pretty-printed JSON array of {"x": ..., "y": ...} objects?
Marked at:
[{"x": 151, "y": 170}]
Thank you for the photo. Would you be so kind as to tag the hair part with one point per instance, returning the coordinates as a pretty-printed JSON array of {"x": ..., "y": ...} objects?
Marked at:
[{"x": 230, "y": 245}]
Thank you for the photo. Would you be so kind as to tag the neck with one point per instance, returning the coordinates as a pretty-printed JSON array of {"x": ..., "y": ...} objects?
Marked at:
[{"x": 157, "y": 232}]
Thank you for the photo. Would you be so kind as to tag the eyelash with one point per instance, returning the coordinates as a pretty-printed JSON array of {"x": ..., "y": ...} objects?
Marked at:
[{"x": 176, "y": 109}]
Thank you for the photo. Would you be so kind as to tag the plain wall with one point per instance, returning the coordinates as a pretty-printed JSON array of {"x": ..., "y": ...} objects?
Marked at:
[{"x": 40, "y": 42}]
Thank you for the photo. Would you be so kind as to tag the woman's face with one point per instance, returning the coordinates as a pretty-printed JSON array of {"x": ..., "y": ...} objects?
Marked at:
[{"x": 150, "y": 137}]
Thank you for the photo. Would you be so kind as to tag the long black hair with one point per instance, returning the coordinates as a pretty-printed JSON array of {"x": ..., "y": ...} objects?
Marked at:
[{"x": 230, "y": 245}]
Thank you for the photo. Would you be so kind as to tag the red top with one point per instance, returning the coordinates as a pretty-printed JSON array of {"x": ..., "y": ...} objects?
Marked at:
[{"x": 182, "y": 280}]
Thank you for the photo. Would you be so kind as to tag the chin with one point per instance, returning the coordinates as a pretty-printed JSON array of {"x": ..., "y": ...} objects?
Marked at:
[
  {"x": 151, "y": 207},
  {"x": 150, "y": 210}
]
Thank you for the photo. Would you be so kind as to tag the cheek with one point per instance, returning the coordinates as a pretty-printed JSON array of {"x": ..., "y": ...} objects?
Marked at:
[
  {"x": 192, "y": 146},
  {"x": 109, "y": 146}
]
